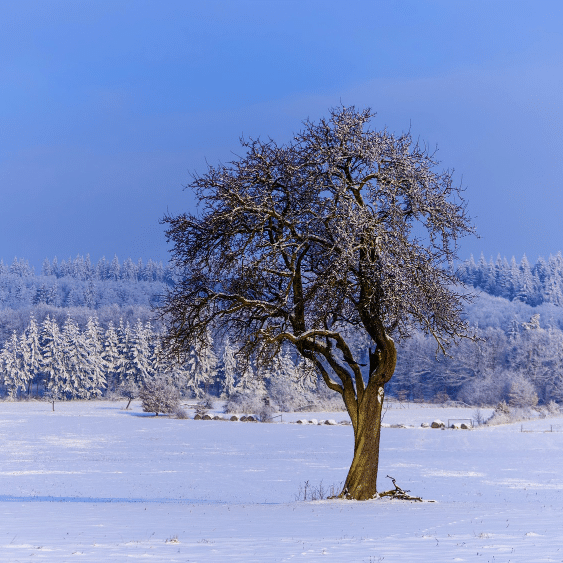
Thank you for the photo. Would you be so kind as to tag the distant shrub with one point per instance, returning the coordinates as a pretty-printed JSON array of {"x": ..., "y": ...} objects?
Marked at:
[
  {"x": 501, "y": 414},
  {"x": 181, "y": 413},
  {"x": 478, "y": 417},
  {"x": 204, "y": 405},
  {"x": 244, "y": 402},
  {"x": 258, "y": 405},
  {"x": 522, "y": 393},
  {"x": 441, "y": 397},
  {"x": 505, "y": 414},
  {"x": 283, "y": 398},
  {"x": 159, "y": 396},
  {"x": 265, "y": 413},
  {"x": 485, "y": 391},
  {"x": 290, "y": 398},
  {"x": 553, "y": 408}
]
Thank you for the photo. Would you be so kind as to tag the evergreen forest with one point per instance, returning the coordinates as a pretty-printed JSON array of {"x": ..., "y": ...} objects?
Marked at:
[{"x": 79, "y": 330}]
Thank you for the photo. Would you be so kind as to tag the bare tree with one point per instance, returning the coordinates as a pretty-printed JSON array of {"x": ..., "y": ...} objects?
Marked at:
[{"x": 343, "y": 231}]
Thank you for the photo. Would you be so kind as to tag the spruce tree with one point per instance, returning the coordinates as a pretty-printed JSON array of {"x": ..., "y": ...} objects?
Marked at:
[
  {"x": 15, "y": 376},
  {"x": 229, "y": 370}
]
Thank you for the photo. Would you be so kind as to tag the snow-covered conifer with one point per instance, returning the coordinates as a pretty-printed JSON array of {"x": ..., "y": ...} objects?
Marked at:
[
  {"x": 110, "y": 357},
  {"x": 46, "y": 268},
  {"x": 200, "y": 368},
  {"x": 140, "y": 361},
  {"x": 124, "y": 371},
  {"x": 78, "y": 382},
  {"x": 55, "y": 267},
  {"x": 52, "y": 364},
  {"x": 229, "y": 370},
  {"x": 31, "y": 350},
  {"x": 88, "y": 269},
  {"x": 93, "y": 342},
  {"x": 78, "y": 270},
  {"x": 102, "y": 269},
  {"x": 248, "y": 380},
  {"x": 114, "y": 269},
  {"x": 12, "y": 366},
  {"x": 129, "y": 270}
]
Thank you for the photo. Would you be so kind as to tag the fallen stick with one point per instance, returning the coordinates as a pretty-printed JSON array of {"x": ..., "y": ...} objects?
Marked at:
[{"x": 399, "y": 493}]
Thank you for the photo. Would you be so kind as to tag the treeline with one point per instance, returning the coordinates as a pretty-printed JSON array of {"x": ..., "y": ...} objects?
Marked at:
[
  {"x": 81, "y": 268},
  {"x": 79, "y": 330},
  {"x": 65, "y": 358},
  {"x": 107, "y": 287},
  {"x": 534, "y": 285},
  {"x": 522, "y": 359},
  {"x": 67, "y": 362}
]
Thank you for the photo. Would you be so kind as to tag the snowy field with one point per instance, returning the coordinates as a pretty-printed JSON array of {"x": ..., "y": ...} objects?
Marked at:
[{"x": 91, "y": 482}]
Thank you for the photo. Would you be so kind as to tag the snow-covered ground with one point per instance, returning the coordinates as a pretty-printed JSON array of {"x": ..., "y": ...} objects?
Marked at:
[{"x": 92, "y": 482}]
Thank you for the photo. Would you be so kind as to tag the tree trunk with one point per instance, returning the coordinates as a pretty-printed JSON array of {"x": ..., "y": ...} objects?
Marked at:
[
  {"x": 361, "y": 482},
  {"x": 365, "y": 412}
]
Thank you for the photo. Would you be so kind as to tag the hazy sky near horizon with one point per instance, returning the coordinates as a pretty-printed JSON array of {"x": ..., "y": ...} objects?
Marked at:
[{"x": 107, "y": 106}]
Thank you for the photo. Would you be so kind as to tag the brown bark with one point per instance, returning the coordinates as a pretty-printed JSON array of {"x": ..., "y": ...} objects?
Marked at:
[{"x": 361, "y": 482}]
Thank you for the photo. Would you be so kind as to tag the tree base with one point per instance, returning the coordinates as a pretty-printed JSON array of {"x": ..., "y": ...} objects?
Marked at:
[{"x": 396, "y": 493}]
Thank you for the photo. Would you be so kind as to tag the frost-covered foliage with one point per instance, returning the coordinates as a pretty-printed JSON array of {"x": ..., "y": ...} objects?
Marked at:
[
  {"x": 519, "y": 355},
  {"x": 522, "y": 393},
  {"x": 250, "y": 403},
  {"x": 505, "y": 414},
  {"x": 89, "y": 360},
  {"x": 68, "y": 362},
  {"x": 77, "y": 283},
  {"x": 159, "y": 396},
  {"x": 295, "y": 389},
  {"x": 81, "y": 268},
  {"x": 78, "y": 287},
  {"x": 127, "y": 389},
  {"x": 501, "y": 415},
  {"x": 521, "y": 343},
  {"x": 181, "y": 413},
  {"x": 246, "y": 402},
  {"x": 540, "y": 283},
  {"x": 553, "y": 408}
]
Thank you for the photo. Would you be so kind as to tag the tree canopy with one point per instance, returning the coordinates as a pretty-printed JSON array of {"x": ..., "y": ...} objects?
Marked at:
[{"x": 344, "y": 228}]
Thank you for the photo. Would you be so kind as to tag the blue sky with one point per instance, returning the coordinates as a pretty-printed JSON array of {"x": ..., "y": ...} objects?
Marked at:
[{"x": 106, "y": 107}]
